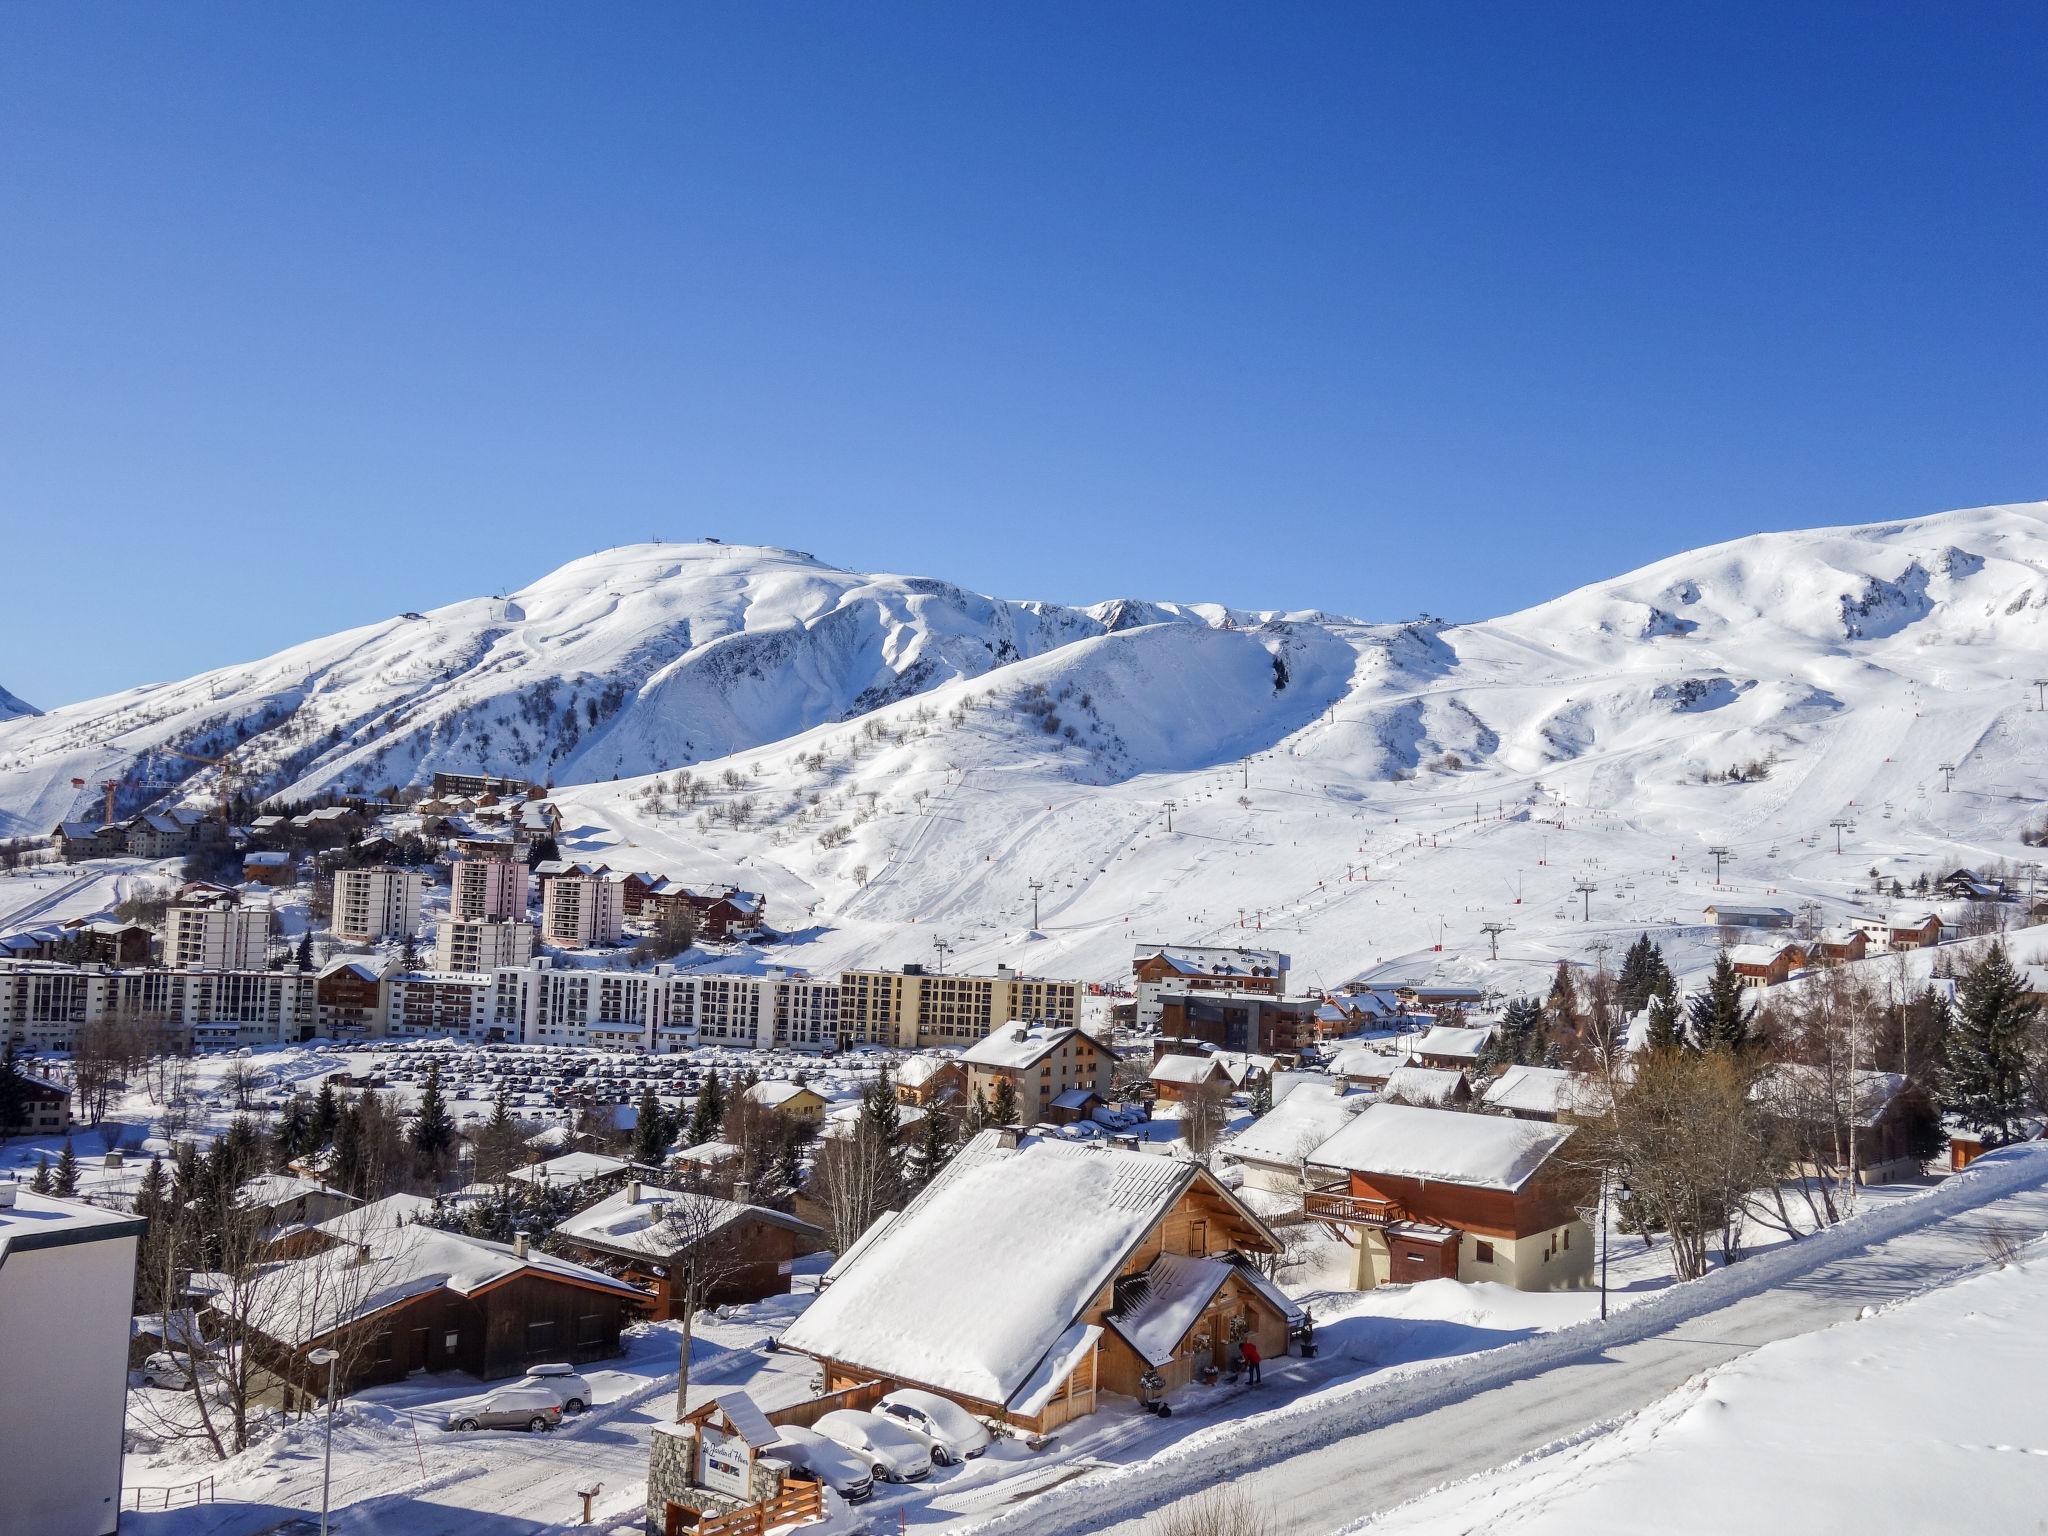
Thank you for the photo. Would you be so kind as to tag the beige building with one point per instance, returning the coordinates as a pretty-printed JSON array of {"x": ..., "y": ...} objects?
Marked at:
[
  {"x": 217, "y": 933},
  {"x": 913, "y": 1008},
  {"x": 376, "y": 903},
  {"x": 482, "y": 944},
  {"x": 1055, "y": 1071},
  {"x": 481, "y": 889},
  {"x": 582, "y": 911}
]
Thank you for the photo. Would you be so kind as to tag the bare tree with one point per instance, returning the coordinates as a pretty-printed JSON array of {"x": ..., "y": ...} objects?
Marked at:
[
  {"x": 1221, "y": 1511},
  {"x": 1205, "y": 1113}
]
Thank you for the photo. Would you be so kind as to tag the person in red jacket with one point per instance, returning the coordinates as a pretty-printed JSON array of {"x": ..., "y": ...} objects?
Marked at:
[{"x": 1251, "y": 1362}]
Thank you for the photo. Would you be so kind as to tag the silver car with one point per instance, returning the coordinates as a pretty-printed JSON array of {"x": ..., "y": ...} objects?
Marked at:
[
  {"x": 564, "y": 1382},
  {"x": 532, "y": 1408}
]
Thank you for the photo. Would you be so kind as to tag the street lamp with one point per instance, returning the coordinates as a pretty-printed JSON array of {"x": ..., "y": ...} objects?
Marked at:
[{"x": 326, "y": 1357}]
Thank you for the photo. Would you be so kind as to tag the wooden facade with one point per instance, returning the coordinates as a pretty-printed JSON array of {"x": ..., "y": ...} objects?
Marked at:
[{"x": 753, "y": 1262}]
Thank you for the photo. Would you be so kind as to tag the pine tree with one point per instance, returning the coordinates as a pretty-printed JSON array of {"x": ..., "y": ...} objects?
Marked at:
[
  {"x": 1521, "y": 1032},
  {"x": 326, "y": 1116},
  {"x": 1664, "y": 1033},
  {"x": 349, "y": 1170},
  {"x": 1561, "y": 1008},
  {"x": 1718, "y": 1017},
  {"x": 879, "y": 1110},
  {"x": 433, "y": 1129},
  {"x": 42, "y": 1182},
  {"x": 789, "y": 1161},
  {"x": 498, "y": 1146},
  {"x": 295, "y": 1129},
  {"x": 1002, "y": 1109},
  {"x": 708, "y": 1113},
  {"x": 650, "y": 1131},
  {"x": 977, "y": 1115},
  {"x": 1632, "y": 986},
  {"x": 1262, "y": 1094},
  {"x": 153, "y": 1191},
  {"x": 303, "y": 955},
  {"x": 67, "y": 1170},
  {"x": 1986, "y": 1082},
  {"x": 409, "y": 955},
  {"x": 13, "y": 1094},
  {"x": 933, "y": 1150}
]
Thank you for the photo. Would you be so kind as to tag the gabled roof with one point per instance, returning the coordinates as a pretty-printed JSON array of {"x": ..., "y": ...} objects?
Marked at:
[
  {"x": 1302, "y": 1121},
  {"x": 655, "y": 1223},
  {"x": 1432, "y": 1086},
  {"x": 1538, "y": 1090},
  {"x": 1189, "y": 1070},
  {"x": 1443, "y": 1146},
  {"x": 1443, "y": 1040},
  {"x": 1759, "y": 954},
  {"x": 982, "y": 1277},
  {"x": 1017, "y": 1045}
]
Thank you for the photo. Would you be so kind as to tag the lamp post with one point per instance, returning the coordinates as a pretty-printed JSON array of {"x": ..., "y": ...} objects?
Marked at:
[{"x": 326, "y": 1357}]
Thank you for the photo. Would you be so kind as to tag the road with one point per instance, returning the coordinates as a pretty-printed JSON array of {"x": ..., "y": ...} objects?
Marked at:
[{"x": 1412, "y": 1449}]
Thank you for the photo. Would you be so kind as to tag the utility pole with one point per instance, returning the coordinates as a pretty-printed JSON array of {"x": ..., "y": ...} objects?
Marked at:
[
  {"x": 1838, "y": 823},
  {"x": 1036, "y": 887},
  {"x": 1171, "y": 807},
  {"x": 1720, "y": 853},
  {"x": 1948, "y": 774},
  {"x": 1247, "y": 773},
  {"x": 1586, "y": 888},
  {"x": 2041, "y": 692},
  {"x": 1493, "y": 931}
]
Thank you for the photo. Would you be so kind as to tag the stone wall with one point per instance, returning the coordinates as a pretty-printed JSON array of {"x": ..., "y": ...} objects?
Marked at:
[{"x": 672, "y": 1459}]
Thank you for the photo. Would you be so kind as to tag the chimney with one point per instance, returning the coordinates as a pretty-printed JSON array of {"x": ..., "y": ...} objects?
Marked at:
[
  {"x": 742, "y": 1192},
  {"x": 519, "y": 1245},
  {"x": 1006, "y": 1137},
  {"x": 658, "y": 1212},
  {"x": 633, "y": 1192},
  {"x": 7, "y": 1194}
]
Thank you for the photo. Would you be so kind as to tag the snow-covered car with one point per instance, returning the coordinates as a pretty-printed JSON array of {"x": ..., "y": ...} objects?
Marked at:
[
  {"x": 953, "y": 1433},
  {"x": 564, "y": 1382},
  {"x": 523, "y": 1407},
  {"x": 897, "y": 1455},
  {"x": 174, "y": 1372},
  {"x": 831, "y": 1463}
]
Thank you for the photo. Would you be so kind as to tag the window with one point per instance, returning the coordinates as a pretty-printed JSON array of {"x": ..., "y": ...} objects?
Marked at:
[
  {"x": 540, "y": 1338},
  {"x": 1567, "y": 1239},
  {"x": 1482, "y": 1253},
  {"x": 451, "y": 1341},
  {"x": 590, "y": 1328}
]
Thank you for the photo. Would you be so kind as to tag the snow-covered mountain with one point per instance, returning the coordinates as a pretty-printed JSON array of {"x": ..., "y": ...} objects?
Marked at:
[
  {"x": 913, "y": 753},
  {"x": 10, "y": 706}
]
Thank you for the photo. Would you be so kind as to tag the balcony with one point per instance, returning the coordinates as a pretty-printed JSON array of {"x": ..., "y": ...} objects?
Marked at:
[{"x": 1352, "y": 1210}]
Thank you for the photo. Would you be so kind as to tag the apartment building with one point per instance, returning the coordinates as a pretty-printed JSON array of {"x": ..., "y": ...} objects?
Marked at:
[
  {"x": 1164, "y": 969},
  {"x": 214, "y": 930},
  {"x": 582, "y": 911},
  {"x": 778, "y": 1008},
  {"x": 440, "y": 1003},
  {"x": 1059, "y": 1073},
  {"x": 913, "y": 1008},
  {"x": 482, "y": 944},
  {"x": 67, "y": 1282},
  {"x": 43, "y": 1006},
  {"x": 483, "y": 889},
  {"x": 380, "y": 902}
]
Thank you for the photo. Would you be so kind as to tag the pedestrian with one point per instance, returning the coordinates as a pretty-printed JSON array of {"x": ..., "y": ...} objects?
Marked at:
[{"x": 1251, "y": 1363}]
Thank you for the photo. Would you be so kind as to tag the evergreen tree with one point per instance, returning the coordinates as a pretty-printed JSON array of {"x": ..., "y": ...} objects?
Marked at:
[
  {"x": 977, "y": 1115},
  {"x": 67, "y": 1170},
  {"x": 1262, "y": 1094},
  {"x": 789, "y": 1161},
  {"x": 409, "y": 954},
  {"x": 1519, "y": 1041},
  {"x": 153, "y": 1191},
  {"x": 498, "y": 1146},
  {"x": 933, "y": 1150},
  {"x": 650, "y": 1131},
  {"x": 879, "y": 1110},
  {"x": 1561, "y": 1008},
  {"x": 13, "y": 1094},
  {"x": 708, "y": 1113},
  {"x": 295, "y": 1129},
  {"x": 349, "y": 1170},
  {"x": 1002, "y": 1108},
  {"x": 303, "y": 955},
  {"x": 1719, "y": 1019},
  {"x": 1664, "y": 1032},
  {"x": 1986, "y": 1082},
  {"x": 326, "y": 1116},
  {"x": 1632, "y": 986},
  {"x": 41, "y": 1183},
  {"x": 433, "y": 1129}
]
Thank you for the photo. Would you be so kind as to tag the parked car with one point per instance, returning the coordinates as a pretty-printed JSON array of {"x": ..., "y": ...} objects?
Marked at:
[
  {"x": 522, "y": 1407},
  {"x": 165, "y": 1369},
  {"x": 893, "y": 1451},
  {"x": 831, "y": 1463},
  {"x": 571, "y": 1388},
  {"x": 953, "y": 1433}
]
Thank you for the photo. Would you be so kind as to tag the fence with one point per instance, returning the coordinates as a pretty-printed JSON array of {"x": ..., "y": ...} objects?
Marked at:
[
  {"x": 798, "y": 1502},
  {"x": 863, "y": 1395},
  {"x": 200, "y": 1492}
]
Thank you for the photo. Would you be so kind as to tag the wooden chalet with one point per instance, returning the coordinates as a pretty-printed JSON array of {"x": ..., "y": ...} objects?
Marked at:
[
  {"x": 793, "y": 1101},
  {"x": 1838, "y": 946},
  {"x": 924, "y": 1081},
  {"x": 1041, "y": 1062},
  {"x": 1035, "y": 1274},
  {"x": 1180, "y": 1074},
  {"x": 1452, "y": 1048},
  {"x": 417, "y": 1300},
  {"x": 1427, "y": 1194},
  {"x": 1765, "y": 965},
  {"x": 649, "y": 1237},
  {"x": 1250, "y": 1022}
]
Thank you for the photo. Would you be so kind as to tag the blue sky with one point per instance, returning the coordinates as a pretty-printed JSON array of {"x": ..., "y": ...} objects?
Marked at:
[{"x": 310, "y": 315}]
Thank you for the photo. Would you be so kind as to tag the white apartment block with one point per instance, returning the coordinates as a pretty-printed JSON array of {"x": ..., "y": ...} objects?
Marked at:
[
  {"x": 582, "y": 911},
  {"x": 471, "y": 945},
  {"x": 217, "y": 935},
  {"x": 67, "y": 1283},
  {"x": 43, "y": 1005},
  {"x": 376, "y": 903},
  {"x": 482, "y": 889}
]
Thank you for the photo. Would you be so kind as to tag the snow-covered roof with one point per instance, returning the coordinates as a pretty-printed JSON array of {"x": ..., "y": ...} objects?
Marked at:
[
  {"x": 36, "y": 1219},
  {"x": 1446, "y": 1040},
  {"x": 1479, "y": 1151},
  {"x": 1193, "y": 960},
  {"x": 774, "y": 1094},
  {"x": 1732, "y": 909},
  {"x": 919, "y": 1070},
  {"x": 1303, "y": 1120},
  {"x": 268, "y": 1190},
  {"x": 573, "y": 1168},
  {"x": 1433, "y": 1086},
  {"x": 1536, "y": 1090},
  {"x": 1242, "y": 1064},
  {"x": 1017, "y": 1045},
  {"x": 1790, "y": 1083},
  {"x": 1189, "y": 1070},
  {"x": 642, "y": 1219},
  {"x": 266, "y": 860},
  {"x": 745, "y": 1416},
  {"x": 1165, "y": 1304},
  {"x": 1758, "y": 954},
  {"x": 310, "y": 1298},
  {"x": 392, "y": 1212},
  {"x": 1366, "y": 1061},
  {"x": 974, "y": 1286}
]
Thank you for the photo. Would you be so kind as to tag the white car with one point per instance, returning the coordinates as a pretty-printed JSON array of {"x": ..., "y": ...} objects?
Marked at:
[
  {"x": 564, "y": 1382},
  {"x": 164, "y": 1369},
  {"x": 892, "y": 1450},
  {"x": 953, "y": 1433},
  {"x": 826, "y": 1460}
]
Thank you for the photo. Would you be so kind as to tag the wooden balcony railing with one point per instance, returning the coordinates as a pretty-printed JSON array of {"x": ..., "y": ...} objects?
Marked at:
[{"x": 1355, "y": 1210}]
